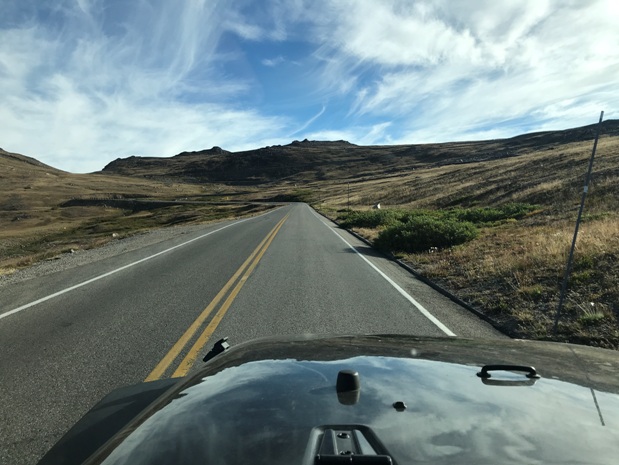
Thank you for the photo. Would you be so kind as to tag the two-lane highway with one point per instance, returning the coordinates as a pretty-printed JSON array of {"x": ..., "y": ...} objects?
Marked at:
[{"x": 71, "y": 337}]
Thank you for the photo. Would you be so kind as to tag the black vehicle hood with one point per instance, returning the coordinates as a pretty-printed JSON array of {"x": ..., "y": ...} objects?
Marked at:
[{"x": 269, "y": 402}]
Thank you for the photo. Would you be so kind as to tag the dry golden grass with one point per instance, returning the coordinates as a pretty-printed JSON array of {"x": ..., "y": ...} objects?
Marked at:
[
  {"x": 551, "y": 176},
  {"x": 513, "y": 272},
  {"x": 534, "y": 247},
  {"x": 34, "y": 225}
]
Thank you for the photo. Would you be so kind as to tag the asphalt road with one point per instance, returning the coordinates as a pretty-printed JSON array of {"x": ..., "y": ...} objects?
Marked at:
[{"x": 149, "y": 313}]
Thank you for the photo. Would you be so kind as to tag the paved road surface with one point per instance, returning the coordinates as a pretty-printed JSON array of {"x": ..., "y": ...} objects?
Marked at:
[{"x": 150, "y": 313}]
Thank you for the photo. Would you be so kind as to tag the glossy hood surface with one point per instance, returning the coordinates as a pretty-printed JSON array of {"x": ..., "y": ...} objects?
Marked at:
[{"x": 419, "y": 401}]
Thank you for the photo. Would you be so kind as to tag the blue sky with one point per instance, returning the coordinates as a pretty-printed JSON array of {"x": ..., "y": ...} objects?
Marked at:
[{"x": 83, "y": 82}]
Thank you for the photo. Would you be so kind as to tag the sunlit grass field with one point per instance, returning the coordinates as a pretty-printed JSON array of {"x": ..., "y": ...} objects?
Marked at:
[{"x": 512, "y": 270}]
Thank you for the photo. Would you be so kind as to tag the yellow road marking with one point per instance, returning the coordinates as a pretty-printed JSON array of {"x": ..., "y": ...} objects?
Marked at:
[
  {"x": 167, "y": 360},
  {"x": 191, "y": 356}
]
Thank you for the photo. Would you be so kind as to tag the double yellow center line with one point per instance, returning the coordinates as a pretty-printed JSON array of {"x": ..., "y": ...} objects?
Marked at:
[{"x": 243, "y": 272}]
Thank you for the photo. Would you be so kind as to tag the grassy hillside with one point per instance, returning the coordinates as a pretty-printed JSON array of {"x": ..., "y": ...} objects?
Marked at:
[
  {"x": 514, "y": 267},
  {"x": 35, "y": 224}
]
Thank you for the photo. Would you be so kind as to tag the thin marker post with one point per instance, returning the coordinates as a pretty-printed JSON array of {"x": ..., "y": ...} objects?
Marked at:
[{"x": 568, "y": 268}]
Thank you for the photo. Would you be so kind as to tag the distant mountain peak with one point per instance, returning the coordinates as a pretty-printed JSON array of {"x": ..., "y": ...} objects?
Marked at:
[
  {"x": 215, "y": 150},
  {"x": 317, "y": 143}
]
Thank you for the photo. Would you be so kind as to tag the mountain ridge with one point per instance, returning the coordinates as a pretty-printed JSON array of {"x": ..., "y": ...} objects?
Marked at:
[{"x": 307, "y": 160}]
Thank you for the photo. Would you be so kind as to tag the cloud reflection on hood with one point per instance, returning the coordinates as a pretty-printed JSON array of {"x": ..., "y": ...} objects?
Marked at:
[{"x": 264, "y": 411}]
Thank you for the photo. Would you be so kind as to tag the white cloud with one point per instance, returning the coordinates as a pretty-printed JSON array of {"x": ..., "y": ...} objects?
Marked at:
[
  {"x": 239, "y": 26},
  {"x": 79, "y": 98},
  {"x": 85, "y": 133},
  {"x": 159, "y": 77},
  {"x": 332, "y": 134},
  {"x": 267, "y": 20},
  {"x": 273, "y": 61},
  {"x": 376, "y": 134},
  {"x": 458, "y": 66}
]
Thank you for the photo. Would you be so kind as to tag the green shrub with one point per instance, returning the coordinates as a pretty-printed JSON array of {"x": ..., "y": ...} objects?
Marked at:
[
  {"x": 517, "y": 210},
  {"x": 423, "y": 232},
  {"x": 369, "y": 219},
  {"x": 480, "y": 215},
  {"x": 411, "y": 215},
  {"x": 477, "y": 215}
]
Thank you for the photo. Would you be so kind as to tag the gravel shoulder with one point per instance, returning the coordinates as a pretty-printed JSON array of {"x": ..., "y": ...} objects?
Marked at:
[{"x": 82, "y": 257}]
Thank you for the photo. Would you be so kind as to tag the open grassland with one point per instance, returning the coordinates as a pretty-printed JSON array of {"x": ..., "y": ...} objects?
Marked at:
[
  {"x": 514, "y": 272},
  {"x": 510, "y": 268},
  {"x": 35, "y": 224},
  {"x": 553, "y": 176}
]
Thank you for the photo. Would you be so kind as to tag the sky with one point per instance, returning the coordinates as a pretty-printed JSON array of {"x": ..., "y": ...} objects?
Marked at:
[{"x": 83, "y": 82}]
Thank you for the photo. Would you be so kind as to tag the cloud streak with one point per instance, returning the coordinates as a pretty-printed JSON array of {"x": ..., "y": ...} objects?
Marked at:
[{"x": 309, "y": 122}]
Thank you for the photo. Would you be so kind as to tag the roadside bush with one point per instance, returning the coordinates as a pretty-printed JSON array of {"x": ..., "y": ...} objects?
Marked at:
[
  {"x": 421, "y": 230},
  {"x": 518, "y": 210},
  {"x": 482, "y": 215},
  {"x": 412, "y": 215},
  {"x": 369, "y": 219},
  {"x": 421, "y": 233}
]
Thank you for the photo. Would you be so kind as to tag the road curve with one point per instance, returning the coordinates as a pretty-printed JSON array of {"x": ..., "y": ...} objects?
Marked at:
[{"x": 71, "y": 337}]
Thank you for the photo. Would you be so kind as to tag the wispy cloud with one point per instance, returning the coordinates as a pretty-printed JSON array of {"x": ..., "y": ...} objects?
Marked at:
[
  {"x": 99, "y": 86},
  {"x": 445, "y": 68},
  {"x": 309, "y": 122},
  {"x": 273, "y": 61},
  {"x": 85, "y": 81}
]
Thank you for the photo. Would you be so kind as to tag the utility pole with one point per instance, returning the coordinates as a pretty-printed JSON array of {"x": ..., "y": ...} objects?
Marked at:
[{"x": 568, "y": 267}]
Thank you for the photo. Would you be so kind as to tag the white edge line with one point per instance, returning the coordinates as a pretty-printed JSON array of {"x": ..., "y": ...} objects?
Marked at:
[
  {"x": 419, "y": 307},
  {"x": 109, "y": 273}
]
